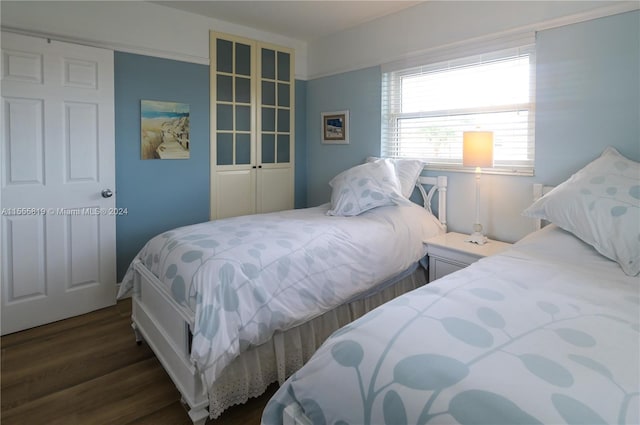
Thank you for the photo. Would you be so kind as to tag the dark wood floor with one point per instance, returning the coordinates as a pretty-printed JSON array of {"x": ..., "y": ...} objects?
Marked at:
[{"x": 88, "y": 370}]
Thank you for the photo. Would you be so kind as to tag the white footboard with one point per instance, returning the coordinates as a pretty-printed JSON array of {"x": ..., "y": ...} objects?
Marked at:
[{"x": 164, "y": 325}]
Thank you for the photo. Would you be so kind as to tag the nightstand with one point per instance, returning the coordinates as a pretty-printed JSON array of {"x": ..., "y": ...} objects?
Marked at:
[{"x": 449, "y": 253}]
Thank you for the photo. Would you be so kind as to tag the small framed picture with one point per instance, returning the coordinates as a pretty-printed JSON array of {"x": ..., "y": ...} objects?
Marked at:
[{"x": 335, "y": 128}]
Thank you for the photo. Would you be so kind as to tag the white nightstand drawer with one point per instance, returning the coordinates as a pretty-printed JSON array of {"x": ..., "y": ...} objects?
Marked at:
[
  {"x": 439, "y": 268},
  {"x": 455, "y": 256},
  {"x": 450, "y": 252}
]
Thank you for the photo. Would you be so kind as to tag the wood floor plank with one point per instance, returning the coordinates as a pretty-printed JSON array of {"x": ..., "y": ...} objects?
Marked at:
[
  {"x": 57, "y": 373},
  {"x": 121, "y": 309},
  {"x": 173, "y": 414},
  {"x": 68, "y": 343},
  {"x": 103, "y": 400},
  {"x": 88, "y": 370},
  {"x": 74, "y": 342},
  {"x": 31, "y": 371}
]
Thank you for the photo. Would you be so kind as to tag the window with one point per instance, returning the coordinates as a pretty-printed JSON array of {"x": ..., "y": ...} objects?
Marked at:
[{"x": 426, "y": 108}]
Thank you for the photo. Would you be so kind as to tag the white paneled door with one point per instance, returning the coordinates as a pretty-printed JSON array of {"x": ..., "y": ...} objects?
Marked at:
[{"x": 58, "y": 177}]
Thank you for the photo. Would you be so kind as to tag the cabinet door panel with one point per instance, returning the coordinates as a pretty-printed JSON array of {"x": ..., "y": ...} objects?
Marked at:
[
  {"x": 284, "y": 149},
  {"x": 243, "y": 148},
  {"x": 274, "y": 189},
  {"x": 235, "y": 193},
  {"x": 268, "y": 64},
  {"x": 224, "y": 149},
  {"x": 269, "y": 93},
  {"x": 224, "y": 87},
  {"x": 224, "y": 117},
  {"x": 243, "y": 59},
  {"x": 284, "y": 65},
  {"x": 243, "y": 118},
  {"x": 283, "y": 94},
  {"x": 224, "y": 56},
  {"x": 268, "y": 148},
  {"x": 268, "y": 119},
  {"x": 243, "y": 90},
  {"x": 283, "y": 120}
]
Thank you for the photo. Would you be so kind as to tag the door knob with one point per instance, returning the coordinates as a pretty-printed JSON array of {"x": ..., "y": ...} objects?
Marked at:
[{"x": 107, "y": 193}]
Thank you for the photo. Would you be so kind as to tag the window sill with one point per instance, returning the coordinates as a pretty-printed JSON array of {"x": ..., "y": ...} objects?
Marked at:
[{"x": 497, "y": 171}]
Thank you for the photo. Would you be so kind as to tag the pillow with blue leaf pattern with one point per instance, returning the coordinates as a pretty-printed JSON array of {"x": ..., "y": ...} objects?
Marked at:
[
  {"x": 407, "y": 171},
  {"x": 364, "y": 187},
  {"x": 600, "y": 204}
]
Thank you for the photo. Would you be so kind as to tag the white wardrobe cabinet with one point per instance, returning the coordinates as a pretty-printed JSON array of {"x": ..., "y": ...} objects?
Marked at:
[{"x": 252, "y": 126}]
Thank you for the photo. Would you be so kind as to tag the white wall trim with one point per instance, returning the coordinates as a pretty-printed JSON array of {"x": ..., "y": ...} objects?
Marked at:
[
  {"x": 459, "y": 49},
  {"x": 150, "y": 29},
  {"x": 610, "y": 10},
  {"x": 614, "y": 9},
  {"x": 301, "y": 54},
  {"x": 120, "y": 47}
]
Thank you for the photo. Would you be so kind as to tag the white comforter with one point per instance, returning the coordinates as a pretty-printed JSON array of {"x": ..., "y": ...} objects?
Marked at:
[
  {"x": 249, "y": 276},
  {"x": 545, "y": 333}
]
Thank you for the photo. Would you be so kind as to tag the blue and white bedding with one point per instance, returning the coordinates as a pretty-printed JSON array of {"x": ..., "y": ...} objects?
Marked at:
[
  {"x": 246, "y": 277},
  {"x": 544, "y": 333}
]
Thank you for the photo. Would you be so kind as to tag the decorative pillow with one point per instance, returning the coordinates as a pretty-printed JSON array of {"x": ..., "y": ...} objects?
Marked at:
[
  {"x": 600, "y": 204},
  {"x": 364, "y": 187},
  {"x": 407, "y": 171}
]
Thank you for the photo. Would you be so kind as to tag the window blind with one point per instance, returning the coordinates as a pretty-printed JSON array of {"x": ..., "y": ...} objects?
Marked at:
[{"x": 427, "y": 107}]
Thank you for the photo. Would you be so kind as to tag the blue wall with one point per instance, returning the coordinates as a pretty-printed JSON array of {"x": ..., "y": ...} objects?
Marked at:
[
  {"x": 358, "y": 92},
  {"x": 158, "y": 194},
  {"x": 587, "y": 94},
  {"x": 162, "y": 194}
]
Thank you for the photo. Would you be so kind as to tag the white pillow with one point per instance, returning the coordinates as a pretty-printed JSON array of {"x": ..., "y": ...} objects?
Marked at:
[
  {"x": 407, "y": 171},
  {"x": 600, "y": 204},
  {"x": 364, "y": 187}
]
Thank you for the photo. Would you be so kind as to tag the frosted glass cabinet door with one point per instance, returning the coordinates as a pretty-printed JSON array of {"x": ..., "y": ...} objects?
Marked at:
[
  {"x": 275, "y": 106},
  {"x": 233, "y": 110},
  {"x": 252, "y": 126}
]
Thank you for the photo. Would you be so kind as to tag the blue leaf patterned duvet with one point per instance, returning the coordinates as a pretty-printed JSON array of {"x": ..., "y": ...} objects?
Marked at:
[
  {"x": 246, "y": 277},
  {"x": 545, "y": 333}
]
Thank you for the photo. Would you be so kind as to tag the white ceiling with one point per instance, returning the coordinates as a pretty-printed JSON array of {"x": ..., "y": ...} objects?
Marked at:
[{"x": 304, "y": 20}]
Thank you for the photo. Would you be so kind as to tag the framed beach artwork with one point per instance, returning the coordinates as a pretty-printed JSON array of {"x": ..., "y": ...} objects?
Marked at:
[
  {"x": 335, "y": 128},
  {"x": 164, "y": 130}
]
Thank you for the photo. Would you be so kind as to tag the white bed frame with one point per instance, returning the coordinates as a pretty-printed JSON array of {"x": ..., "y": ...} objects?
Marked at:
[
  {"x": 539, "y": 190},
  {"x": 165, "y": 325}
]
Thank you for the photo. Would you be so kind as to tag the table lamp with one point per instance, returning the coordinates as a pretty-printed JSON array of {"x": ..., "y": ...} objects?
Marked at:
[{"x": 477, "y": 151}]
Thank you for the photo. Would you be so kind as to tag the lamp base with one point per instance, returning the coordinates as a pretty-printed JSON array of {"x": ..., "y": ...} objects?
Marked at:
[{"x": 477, "y": 238}]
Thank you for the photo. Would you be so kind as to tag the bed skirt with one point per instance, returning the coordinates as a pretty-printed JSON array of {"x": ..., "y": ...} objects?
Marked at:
[{"x": 250, "y": 374}]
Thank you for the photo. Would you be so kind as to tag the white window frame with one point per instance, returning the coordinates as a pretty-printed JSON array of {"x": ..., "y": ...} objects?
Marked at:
[{"x": 469, "y": 55}]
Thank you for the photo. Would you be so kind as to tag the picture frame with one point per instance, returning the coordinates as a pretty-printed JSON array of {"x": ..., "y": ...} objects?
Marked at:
[
  {"x": 335, "y": 128},
  {"x": 164, "y": 130}
]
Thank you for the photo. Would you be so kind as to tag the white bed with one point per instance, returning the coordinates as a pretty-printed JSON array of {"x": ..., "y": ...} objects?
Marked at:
[
  {"x": 545, "y": 332},
  {"x": 171, "y": 313}
]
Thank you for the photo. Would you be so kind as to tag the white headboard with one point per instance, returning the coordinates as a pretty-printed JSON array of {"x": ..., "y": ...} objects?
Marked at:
[
  {"x": 539, "y": 190},
  {"x": 438, "y": 184}
]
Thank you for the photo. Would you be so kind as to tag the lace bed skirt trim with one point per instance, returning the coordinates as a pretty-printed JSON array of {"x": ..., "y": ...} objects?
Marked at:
[{"x": 250, "y": 374}]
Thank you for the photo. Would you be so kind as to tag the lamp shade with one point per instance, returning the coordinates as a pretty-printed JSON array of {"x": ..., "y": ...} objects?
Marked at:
[{"x": 477, "y": 149}]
